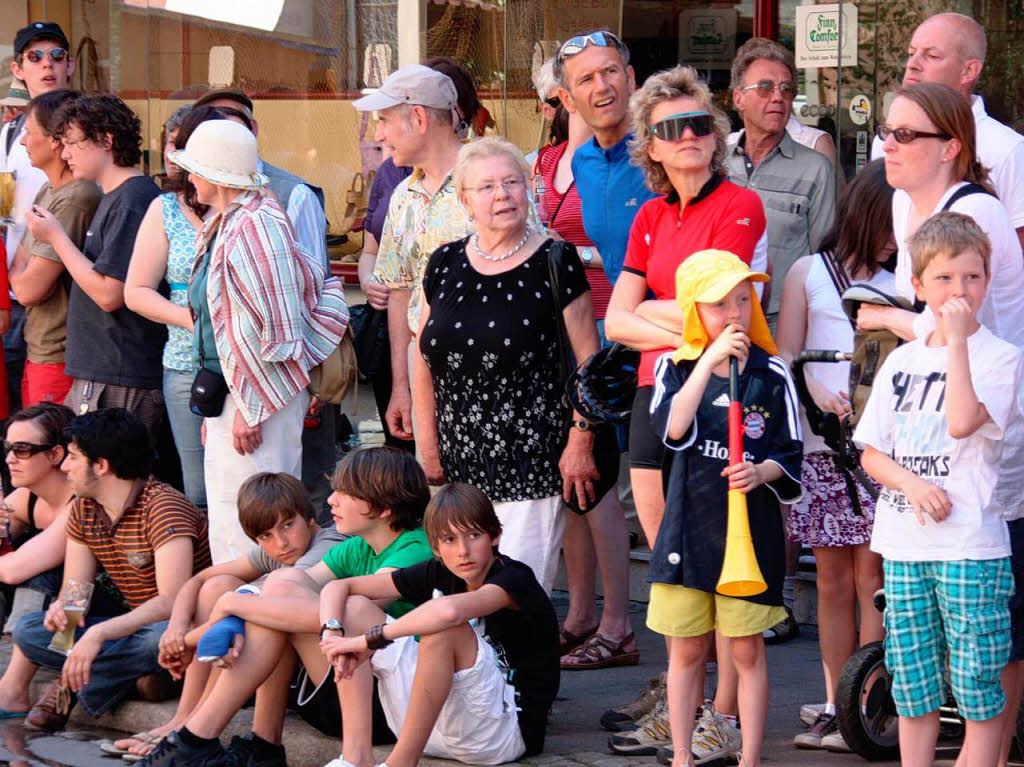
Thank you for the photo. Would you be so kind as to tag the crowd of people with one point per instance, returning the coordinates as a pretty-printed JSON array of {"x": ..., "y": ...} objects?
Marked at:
[{"x": 401, "y": 595}]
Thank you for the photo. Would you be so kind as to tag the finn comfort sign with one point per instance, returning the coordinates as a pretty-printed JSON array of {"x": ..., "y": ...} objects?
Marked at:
[{"x": 818, "y": 31}]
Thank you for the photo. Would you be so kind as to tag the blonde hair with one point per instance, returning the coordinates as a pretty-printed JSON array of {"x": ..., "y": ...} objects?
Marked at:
[
  {"x": 484, "y": 148},
  {"x": 947, "y": 234},
  {"x": 678, "y": 82}
]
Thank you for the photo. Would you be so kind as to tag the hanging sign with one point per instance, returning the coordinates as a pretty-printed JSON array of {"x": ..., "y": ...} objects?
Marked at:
[
  {"x": 707, "y": 38},
  {"x": 817, "y": 39}
]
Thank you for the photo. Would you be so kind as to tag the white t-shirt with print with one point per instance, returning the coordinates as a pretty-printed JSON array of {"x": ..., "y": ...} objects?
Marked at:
[
  {"x": 905, "y": 418},
  {"x": 1003, "y": 309}
]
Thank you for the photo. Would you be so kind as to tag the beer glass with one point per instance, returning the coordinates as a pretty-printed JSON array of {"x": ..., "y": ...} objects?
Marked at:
[
  {"x": 75, "y": 597},
  {"x": 7, "y": 179}
]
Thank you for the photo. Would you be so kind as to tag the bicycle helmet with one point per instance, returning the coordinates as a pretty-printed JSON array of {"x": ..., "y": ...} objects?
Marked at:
[{"x": 603, "y": 388}]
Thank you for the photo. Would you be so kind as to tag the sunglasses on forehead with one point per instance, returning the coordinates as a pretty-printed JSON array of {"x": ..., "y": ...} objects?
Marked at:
[
  {"x": 55, "y": 54},
  {"x": 577, "y": 44},
  {"x": 672, "y": 127}
]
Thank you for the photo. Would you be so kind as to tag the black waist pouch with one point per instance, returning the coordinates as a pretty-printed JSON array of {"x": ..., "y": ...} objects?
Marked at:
[{"x": 209, "y": 390}]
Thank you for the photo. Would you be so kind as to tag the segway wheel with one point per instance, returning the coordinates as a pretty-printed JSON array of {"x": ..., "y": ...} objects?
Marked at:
[{"x": 864, "y": 706}]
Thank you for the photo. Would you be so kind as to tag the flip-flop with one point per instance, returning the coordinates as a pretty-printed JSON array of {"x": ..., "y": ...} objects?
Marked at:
[
  {"x": 108, "y": 747},
  {"x": 5, "y": 714}
]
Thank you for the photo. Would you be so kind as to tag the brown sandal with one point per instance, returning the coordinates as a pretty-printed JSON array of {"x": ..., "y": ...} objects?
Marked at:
[
  {"x": 601, "y": 652},
  {"x": 567, "y": 641}
]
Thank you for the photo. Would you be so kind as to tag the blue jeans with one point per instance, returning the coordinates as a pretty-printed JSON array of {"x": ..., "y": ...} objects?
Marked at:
[
  {"x": 186, "y": 427},
  {"x": 113, "y": 672},
  {"x": 15, "y": 353}
]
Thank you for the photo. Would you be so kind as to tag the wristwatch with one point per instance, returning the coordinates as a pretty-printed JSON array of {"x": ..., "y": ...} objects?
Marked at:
[
  {"x": 332, "y": 624},
  {"x": 581, "y": 423},
  {"x": 587, "y": 256}
]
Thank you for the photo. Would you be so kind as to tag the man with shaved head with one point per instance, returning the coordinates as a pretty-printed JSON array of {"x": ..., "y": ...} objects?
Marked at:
[{"x": 949, "y": 48}]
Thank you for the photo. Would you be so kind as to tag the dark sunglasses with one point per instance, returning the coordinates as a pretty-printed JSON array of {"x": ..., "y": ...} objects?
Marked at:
[
  {"x": 55, "y": 54},
  {"x": 765, "y": 88},
  {"x": 906, "y": 135},
  {"x": 672, "y": 128},
  {"x": 577, "y": 44},
  {"x": 554, "y": 102},
  {"x": 23, "y": 450}
]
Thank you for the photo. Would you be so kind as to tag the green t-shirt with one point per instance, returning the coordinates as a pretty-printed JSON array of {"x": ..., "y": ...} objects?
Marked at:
[{"x": 354, "y": 557}]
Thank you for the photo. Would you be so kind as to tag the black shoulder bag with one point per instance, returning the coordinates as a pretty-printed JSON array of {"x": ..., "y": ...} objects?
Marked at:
[{"x": 606, "y": 443}]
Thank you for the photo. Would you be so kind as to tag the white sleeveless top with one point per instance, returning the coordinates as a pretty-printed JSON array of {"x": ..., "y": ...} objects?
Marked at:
[
  {"x": 829, "y": 328},
  {"x": 803, "y": 134}
]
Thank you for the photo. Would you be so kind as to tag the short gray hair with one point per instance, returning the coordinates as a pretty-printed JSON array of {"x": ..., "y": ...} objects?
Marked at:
[
  {"x": 484, "y": 148},
  {"x": 755, "y": 49},
  {"x": 544, "y": 78},
  {"x": 177, "y": 118},
  {"x": 559, "y": 63},
  {"x": 675, "y": 83}
]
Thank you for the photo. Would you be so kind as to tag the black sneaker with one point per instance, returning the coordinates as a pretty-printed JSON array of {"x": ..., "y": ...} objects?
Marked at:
[
  {"x": 783, "y": 631},
  {"x": 253, "y": 751},
  {"x": 238, "y": 751},
  {"x": 173, "y": 752}
]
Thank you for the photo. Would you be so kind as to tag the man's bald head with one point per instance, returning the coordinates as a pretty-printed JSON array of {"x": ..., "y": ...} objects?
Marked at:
[
  {"x": 947, "y": 48},
  {"x": 968, "y": 34}
]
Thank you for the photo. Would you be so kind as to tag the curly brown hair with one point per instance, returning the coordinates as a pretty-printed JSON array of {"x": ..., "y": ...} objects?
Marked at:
[
  {"x": 101, "y": 115},
  {"x": 180, "y": 184},
  {"x": 675, "y": 83}
]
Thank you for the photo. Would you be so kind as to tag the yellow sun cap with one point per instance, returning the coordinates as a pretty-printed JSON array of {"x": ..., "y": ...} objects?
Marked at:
[{"x": 706, "y": 277}]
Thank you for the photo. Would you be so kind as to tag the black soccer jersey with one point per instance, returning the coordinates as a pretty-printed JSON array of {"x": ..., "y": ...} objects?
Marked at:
[{"x": 691, "y": 540}]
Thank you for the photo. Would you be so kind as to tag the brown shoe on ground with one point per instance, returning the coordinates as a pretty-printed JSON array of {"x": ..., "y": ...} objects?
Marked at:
[
  {"x": 51, "y": 712},
  {"x": 157, "y": 687}
]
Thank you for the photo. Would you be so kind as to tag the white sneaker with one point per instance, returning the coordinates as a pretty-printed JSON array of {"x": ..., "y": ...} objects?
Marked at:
[
  {"x": 341, "y": 762},
  {"x": 809, "y": 713},
  {"x": 835, "y": 743},
  {"x": 715, "y": 737}
]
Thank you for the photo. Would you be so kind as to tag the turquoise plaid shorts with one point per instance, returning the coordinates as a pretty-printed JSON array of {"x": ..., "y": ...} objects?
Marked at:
[{"x": 959, "y": 607}]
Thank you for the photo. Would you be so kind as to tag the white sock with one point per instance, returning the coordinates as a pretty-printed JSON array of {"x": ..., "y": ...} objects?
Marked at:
[{"x": 830, "y": 708}]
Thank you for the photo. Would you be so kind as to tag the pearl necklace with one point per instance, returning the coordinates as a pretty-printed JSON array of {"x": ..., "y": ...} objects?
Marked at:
[{"x": 489, "y": 257}]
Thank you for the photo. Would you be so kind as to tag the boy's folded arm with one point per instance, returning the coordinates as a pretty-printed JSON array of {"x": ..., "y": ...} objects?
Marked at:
[
  {"x": 964, "y": 412},
  {"x": 188, "y": 597},
  {"x": 687, "y": 400},
  {"x": 448, "y": 612}
]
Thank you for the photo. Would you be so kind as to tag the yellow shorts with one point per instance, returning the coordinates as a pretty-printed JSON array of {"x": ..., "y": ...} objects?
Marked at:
[{"x": 678, "y": 611}]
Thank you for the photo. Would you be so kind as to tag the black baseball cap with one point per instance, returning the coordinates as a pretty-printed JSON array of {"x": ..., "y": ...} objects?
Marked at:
[{"x": 40, "y": 29}]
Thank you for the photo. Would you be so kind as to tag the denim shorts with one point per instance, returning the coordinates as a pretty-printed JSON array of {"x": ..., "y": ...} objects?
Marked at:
[{"x": 960, "y": 608}]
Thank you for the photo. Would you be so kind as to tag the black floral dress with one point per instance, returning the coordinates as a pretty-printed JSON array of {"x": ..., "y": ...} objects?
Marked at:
[{"x": 491, "y": 344}]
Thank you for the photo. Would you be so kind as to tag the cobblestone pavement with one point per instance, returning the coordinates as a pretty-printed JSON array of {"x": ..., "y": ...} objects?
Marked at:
[{"x": 574, "y": 740}]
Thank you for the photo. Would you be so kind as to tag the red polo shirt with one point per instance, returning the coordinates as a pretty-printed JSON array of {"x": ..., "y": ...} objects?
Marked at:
[{"x": 722, "y": 216}]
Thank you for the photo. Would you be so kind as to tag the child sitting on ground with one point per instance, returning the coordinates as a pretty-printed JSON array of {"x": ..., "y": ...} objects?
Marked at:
[
  {"x": 379, "y": 497},
  {"x": 933, "y": 433},
  {"x": 722, "y": 318},
  {"x": 478, "y": 685},
  {"x": 276, "y": 513}
]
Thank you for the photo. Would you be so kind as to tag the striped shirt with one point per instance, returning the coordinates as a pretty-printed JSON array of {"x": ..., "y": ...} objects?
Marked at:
[
  {"x": 274, "y": 310},
  {"x": 126, "y": 548},
  {"x": 563, "y": 213}
]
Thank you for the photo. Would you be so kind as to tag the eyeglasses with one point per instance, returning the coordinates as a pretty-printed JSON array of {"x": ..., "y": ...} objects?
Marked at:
[
  {"x": 23, "y": 450},
  {"x": 55, "y": 54},
  {"x": 906, "y": 135},
  {"x": 509, "y": 185},
  {"x": 577, "y": 44},
  {"x": 73, "y": 144},
  {"x": 554, "y": 102},
  {"x": 765, "y": 88},
  {"x": 672, "y": 127}
]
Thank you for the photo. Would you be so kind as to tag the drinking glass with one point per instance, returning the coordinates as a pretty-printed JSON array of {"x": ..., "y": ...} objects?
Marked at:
[
  {"x": 75, "y": 597},
  {"x": 7, "y": 185}
]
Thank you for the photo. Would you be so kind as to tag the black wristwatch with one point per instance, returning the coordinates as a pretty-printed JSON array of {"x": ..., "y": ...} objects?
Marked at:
[{"x": 332, "y": 624}]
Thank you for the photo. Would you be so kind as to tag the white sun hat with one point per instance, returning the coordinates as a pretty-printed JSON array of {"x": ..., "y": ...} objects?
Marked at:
[{"x": 224, "y": 153}]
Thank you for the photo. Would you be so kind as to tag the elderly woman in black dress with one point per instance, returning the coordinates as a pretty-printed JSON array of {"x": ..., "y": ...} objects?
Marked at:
[{"x": 486, "y": 386}]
